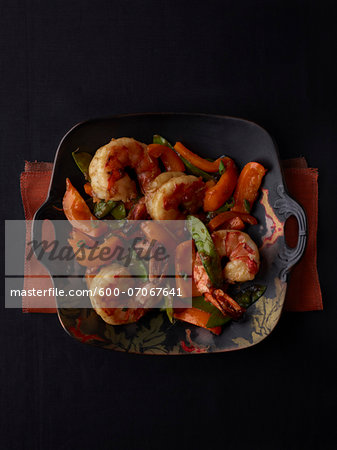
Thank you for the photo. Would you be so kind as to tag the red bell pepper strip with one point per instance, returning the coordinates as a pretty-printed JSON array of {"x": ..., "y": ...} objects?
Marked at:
[
  {"x": 154, "y": 231},
  {"x": 217, "y": 195},
  {"x": 196, "y": 317},
  {"x": 226, "y": 216},
  {"x": 234, "y": 224},
  {"x": 78, "y": 213},
  {"x": 169, "y": 158},
  {"x": 197, "y": 161},
  {"x": 248, "y": 186}
]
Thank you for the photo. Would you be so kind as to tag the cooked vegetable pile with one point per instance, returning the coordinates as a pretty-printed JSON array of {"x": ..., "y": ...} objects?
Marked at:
[{"x": 127, "y": 179}]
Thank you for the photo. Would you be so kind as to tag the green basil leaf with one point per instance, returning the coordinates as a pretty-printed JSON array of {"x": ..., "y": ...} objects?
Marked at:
[{"x": 82, "y": 159}]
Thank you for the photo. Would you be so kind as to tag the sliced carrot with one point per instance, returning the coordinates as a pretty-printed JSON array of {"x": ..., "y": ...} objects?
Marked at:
[
  {"x": 196, "y": 317},
  {"x": 197, "y": 161},
  {"x": 169, "y": 158},
  {"x": 248, "y": 185},
  {"x": 217, "y": 195},
  {"x": 226, "y": 216}
]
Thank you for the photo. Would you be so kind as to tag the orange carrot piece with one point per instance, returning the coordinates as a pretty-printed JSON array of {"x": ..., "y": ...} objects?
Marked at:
[
  {"x": 169, "y": 158},
  {"x": 248, "y": 185},
  {"x": 196, "y": 317},
  {"x": 197, "y": 161},
  {"x": 217, "y": 195},
  {"x": 226, "y": 216}
]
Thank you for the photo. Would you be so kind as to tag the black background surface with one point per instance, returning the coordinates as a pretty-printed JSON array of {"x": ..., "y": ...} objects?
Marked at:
[{"x": 272, "y": 62}]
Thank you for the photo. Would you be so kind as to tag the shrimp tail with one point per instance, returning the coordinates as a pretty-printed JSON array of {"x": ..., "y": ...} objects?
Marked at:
[{"x": 225, "y": 303}]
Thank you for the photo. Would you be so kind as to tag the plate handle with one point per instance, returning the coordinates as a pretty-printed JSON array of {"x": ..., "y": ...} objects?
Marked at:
[{"x": 286, "y": 207}]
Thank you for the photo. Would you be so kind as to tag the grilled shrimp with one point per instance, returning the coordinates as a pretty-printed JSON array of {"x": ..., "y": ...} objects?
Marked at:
[
  {"x": 242, "y": 266},
  {"x": 217, "y": 297},
  {"x": 107, "y": 305},
  {"x": 242, "y": 253},
  {"x": 102, "y": 284},
  {"x": 172, "y": 195},
  {"x": 109, "y": 181}
]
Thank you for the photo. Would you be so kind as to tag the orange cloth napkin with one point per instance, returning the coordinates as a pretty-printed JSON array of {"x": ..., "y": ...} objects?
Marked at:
[
  {"x": 34, "y": 184},
  {"x": 303, "y": 291}
]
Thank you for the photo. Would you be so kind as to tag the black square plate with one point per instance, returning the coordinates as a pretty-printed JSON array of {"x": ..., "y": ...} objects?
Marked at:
[{"x": 209, "y": 136}]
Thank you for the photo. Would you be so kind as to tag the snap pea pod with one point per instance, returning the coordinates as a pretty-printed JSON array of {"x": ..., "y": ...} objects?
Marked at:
[
  {"x": 245, "y": 298},
  {"x": 119, "y": 211},
  {"x": 201, "y": 303},
  {"x": 208, "y": 254},
  {"x": 189, "y": 167},
  {"x": 217, "y": 319},
  {"x": 82, "y": 159},
  {"x": 103, "y": 208},
  {"x": 168, "y": 308},
  {"x": 136, "y": 266},
  {"x": 249, "y": 295}
]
